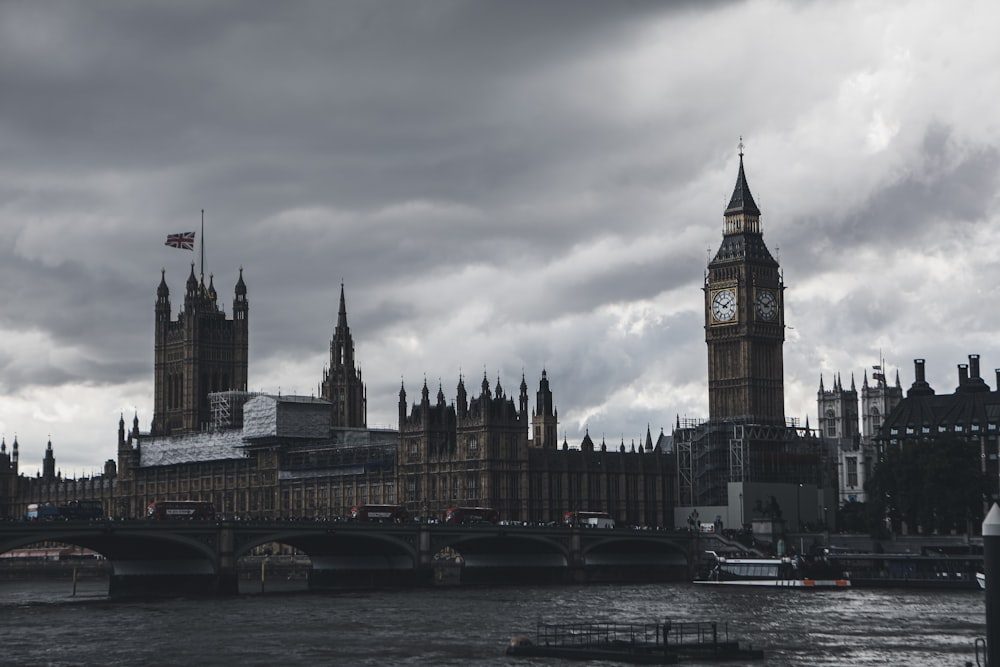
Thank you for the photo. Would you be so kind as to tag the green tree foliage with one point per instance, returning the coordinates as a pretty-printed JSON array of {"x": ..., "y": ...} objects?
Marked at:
[
  {"x": 853, "y": 517},
  {"x": 936, "y": 484}
]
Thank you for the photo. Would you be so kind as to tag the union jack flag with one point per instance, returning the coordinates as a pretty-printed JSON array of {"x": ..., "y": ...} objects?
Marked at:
[{"x": 184, "y": 240}]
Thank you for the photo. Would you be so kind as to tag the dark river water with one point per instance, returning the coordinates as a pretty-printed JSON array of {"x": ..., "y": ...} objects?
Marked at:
[{"x": 42, "y": 624}]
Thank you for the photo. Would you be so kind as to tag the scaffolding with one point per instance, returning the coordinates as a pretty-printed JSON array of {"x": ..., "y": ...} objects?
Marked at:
[
  {"x": 227, "y": 408},
  {"x": 712, "y": 454}
]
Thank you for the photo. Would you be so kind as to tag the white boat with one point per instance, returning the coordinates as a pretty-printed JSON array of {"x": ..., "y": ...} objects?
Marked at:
[
  {"x": 776, "y": 572},
  {"x": 981, "y": 580}
]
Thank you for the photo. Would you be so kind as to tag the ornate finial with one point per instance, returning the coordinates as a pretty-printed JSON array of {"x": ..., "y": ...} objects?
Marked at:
[{"x": 741, "y": 145}]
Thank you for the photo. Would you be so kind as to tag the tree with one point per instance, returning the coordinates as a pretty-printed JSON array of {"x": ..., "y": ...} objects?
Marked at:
[
  {"x": 935, "y": 484},
  {"x": 853, "y": 517}
]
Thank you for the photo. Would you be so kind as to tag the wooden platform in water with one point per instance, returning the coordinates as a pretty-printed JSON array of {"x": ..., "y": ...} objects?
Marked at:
[{"x": 644, "y": 644}]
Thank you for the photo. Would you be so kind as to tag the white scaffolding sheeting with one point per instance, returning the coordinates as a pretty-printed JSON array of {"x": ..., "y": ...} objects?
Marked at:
[
  {"x": 208, "y": 446},
  {"x": 286, "y": 416}
]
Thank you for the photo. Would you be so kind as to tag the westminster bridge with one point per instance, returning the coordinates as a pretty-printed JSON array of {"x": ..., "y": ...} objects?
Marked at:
[{"x": 193, "y": 558}]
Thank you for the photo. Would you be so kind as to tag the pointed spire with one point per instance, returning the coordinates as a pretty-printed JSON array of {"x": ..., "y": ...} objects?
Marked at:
[
  {"x": 241, "y": 287},
  {"x": 853, "y": 388},
  {"x": 821, "y": 383},
  {"x": 342, "y": 313},
  {"x": 898, "y": 385},
  {"x": 162, "y": 290},
  {"x": 742, "y": 201}
]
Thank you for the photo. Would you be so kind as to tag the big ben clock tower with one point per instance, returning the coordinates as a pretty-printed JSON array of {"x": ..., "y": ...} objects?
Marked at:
[{"x": 744, "y": 319}]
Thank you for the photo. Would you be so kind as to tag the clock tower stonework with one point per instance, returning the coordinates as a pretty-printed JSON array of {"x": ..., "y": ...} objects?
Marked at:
[{"x": 744, "y": 319}]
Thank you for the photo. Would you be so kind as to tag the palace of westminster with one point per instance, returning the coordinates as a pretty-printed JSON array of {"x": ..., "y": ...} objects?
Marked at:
[{"x": 271, "y": 456}]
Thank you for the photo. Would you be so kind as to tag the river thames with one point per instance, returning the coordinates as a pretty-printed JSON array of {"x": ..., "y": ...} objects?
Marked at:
[{"x": 41, "y": 623}]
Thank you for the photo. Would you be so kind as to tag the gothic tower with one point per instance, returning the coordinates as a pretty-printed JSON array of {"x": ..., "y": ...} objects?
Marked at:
[
  {"x": 879, "y": 399},
  {"x": 198, "y": 353},
  {"x": 48, "y": 464},
  {"x": 342, "y": 384},
  {"x": 838, "y": 409},
  {"x": 744, "y": 318},
  {"x": 8, "y": 479},
  {"x": 544, "y": 418}
]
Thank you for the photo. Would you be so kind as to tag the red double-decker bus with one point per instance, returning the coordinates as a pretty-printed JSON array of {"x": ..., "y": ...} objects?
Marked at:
[
  {"x": 460, "y": 515},
  {"x": 365, "y": 512},
  {"x": 180, "y": 509}
]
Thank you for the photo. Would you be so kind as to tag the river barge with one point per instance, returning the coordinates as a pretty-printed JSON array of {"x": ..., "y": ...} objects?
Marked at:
[
  {"x": 897, "y": 570},
  {"x": 664, "y": 643},
  {"x": 784, "y": 572}
]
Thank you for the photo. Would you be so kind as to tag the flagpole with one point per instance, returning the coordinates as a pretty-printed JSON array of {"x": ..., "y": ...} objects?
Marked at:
[{"x": 203, "y": 245}]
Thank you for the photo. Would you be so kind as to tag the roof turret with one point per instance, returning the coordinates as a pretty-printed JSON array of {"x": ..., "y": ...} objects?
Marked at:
[{"x": 742, "y": 201}]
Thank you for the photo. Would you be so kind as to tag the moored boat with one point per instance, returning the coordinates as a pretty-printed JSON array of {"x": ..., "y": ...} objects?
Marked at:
[
  {"x": 910, "y": 570},
  {"x": 783, "y": 572},
  {"x": 981, "y": 580}
]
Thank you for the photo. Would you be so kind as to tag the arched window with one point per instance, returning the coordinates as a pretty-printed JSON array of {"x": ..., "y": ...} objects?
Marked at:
[
  {"x": 831, "y": 424},
  {"x": 876, "y": 419}
]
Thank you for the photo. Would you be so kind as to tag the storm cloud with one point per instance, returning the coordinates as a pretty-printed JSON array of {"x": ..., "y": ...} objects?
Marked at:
[{"x": 501, "y": 187}]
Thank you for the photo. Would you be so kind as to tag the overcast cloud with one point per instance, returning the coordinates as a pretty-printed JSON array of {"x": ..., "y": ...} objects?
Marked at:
[{"x": 502, "y": 187}]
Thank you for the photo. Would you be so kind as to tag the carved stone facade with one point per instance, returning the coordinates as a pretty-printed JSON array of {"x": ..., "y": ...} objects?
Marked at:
[
  {"x": 746, "y": 448},
  {"x": 744, "y": 319},
  {"x": 839, "y": 419},
  {"x": 199, "y": 353},
  {"x": 342, "y": 384},
  {"x": 476, "y": 452},
  {"x": 269, "y": 457}
]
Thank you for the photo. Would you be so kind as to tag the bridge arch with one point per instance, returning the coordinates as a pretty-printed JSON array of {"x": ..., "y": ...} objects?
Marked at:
[
  {"x": 116, "y": 545},
  {"x": 358, "y": 556},
  {"x": 625, "y": 557},
  {"x": 503, "y": 557}
]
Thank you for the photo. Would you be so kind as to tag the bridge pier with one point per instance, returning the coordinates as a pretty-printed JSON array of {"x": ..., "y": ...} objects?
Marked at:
[
  {"x": 158, "y": 573},
  {"x": 173, "y": 578},
  {"x": 577, "y": 561},
  {"x": 227, "y": 578}
]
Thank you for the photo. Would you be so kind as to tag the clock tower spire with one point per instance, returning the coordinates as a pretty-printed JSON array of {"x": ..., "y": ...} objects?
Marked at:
[{"x": 744, "y": 318}]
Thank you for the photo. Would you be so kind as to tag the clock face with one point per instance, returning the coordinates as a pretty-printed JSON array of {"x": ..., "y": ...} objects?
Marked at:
[
  {"x": 767, "y": 305},
  {"x": 724, "y": 305}
]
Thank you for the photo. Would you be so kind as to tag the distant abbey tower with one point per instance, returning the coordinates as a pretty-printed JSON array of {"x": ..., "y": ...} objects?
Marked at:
[
  {"x": 198, "y": 353},
  {"x": 342, "y": 384}
]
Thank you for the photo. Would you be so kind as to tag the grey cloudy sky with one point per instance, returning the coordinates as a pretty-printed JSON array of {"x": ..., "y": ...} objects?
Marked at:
[{"x": 502, "y": 187}]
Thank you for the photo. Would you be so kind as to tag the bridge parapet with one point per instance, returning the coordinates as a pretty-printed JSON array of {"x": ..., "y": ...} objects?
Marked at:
[{"x": 200, "y": 558}]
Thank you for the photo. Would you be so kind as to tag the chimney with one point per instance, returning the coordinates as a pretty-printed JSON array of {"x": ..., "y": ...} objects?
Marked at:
[
  {"x": 920, "y": 386},
  {"x": 973, "y": 382},
  {"x": 963, "y": 375}
]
